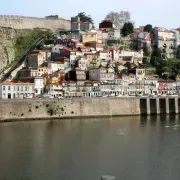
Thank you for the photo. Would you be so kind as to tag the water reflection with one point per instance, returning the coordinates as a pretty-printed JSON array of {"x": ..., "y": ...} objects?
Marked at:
[{"x": 126, "y": 147}]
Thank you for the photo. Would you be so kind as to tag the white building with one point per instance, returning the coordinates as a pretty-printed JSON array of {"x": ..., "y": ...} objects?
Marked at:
[
  {"x": 55, "y": 65},
  {"x": 16, "y": 89},
  {"x": 116, "y": 54},
  {"x": 177, "y": 37},
  {"x": 151, "y": 83},
  {"x": 106, "y": 54},
  {"x": 101, "y": 74},
  {"x": 73, "y": 59},
  {"x": 54, "y": 90},
  {"x": 56, "y": 48},
  {"x": 39, "y": 85},
  {"x": 83, "y": 63}
]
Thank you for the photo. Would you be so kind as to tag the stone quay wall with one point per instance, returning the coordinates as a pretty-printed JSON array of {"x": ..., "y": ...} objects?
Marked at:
[
  {"x": 32, "y": 109},
  {"x": 22, "y": 22},
  {"x": 72, "y": 108}
]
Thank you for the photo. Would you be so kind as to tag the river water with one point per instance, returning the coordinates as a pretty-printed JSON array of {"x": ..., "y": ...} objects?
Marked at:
[{"x": 129, "y": 148}]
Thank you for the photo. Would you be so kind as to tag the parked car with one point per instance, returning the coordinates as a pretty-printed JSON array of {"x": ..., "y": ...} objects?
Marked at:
[
  {"x": 60, "y": 97},
  {"x": 111, "y": 95},
  {"x": 28, "y": 97}
]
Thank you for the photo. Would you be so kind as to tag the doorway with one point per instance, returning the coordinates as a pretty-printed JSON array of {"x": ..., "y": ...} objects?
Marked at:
[{"x": 9, "y": 96}]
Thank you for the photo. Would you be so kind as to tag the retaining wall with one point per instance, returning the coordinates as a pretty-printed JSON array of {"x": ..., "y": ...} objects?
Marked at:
[
  {"x": 41, "y": 109},
  {"x": 21, "y": 22},
  {"x": 86, "y": 107}
]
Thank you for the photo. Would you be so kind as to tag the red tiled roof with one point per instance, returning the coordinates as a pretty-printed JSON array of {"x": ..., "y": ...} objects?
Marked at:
[
  {"x": 166, "y": 80},
  {"x": 150, "y": 74},
  {"x": 16, "y": 82}
]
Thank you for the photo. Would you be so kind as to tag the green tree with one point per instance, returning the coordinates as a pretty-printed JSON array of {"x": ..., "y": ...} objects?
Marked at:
[
  {"x": 156, "y": 52},
  {"x": 127, "y": 29},
  {"x": 148, "y": 28},
  {"x": 85, "y": 18},
  {"x": 173, "y": 64},
  {"x": 23, "y": 42},
  {"x": 145, "y": 61},
  {"x": 166, "y": 69}
]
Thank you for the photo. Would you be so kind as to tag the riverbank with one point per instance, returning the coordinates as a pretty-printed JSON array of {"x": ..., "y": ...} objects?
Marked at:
[{"x": 28, "y": 109}]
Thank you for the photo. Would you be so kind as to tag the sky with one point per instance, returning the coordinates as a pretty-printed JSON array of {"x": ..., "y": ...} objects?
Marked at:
[{"x": 162, "y": 13}]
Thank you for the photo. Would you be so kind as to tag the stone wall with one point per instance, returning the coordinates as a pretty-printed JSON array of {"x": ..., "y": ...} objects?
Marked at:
[
  {"x": 21, "y": 22},
  {"x": 41, "y": 109}
]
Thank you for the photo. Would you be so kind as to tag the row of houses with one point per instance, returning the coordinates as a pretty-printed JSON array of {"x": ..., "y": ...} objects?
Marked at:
[{"x": 94, "y": 82}]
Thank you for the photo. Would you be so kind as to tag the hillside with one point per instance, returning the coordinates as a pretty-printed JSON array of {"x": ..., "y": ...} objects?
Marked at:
[{"x": 7, "y": 36}]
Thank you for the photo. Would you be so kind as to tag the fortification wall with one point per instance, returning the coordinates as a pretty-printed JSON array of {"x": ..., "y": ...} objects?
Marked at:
[
  {"x": 42, "y": 109},
  {"x": 22, "y": 22}
]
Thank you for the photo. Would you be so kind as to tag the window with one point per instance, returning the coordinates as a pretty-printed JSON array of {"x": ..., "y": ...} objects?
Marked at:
[
  {"x": 21, "y": 88},
  {"x": 4, "y": 88},
  {"x": 26, "y": 88},
  {"x": 14, "y": 88},
  {"x": 9, "y": 88},
  {"x": 18, "y": 88}
]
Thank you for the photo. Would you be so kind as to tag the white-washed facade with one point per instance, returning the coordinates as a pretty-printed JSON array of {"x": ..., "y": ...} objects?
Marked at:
[
  {"x": 151, "y": 83},
  {"x": 16, "y": 90}
]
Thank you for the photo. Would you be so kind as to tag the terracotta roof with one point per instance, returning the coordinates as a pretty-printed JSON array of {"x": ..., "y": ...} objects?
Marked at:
[
  {"x": 150, "y": 74},
  {"x": 166, "y": 80},
  {"x": 33, "y": 54},
  {"x": 16, "y": 82},
  {"x": 90, "y": 53},
  {"x": 118, "y": 76}
]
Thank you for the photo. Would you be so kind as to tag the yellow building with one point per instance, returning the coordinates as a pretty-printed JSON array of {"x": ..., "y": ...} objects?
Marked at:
[
  {"x": 89, "y": 37},
  {"x": 54, "y": 80}
]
